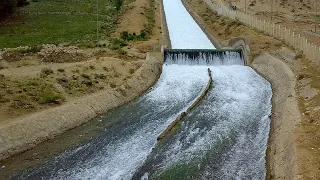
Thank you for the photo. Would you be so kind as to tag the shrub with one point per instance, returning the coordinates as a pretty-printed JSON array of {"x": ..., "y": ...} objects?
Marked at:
[
  {"x": 45, "y": 72},
  {"x": 60, "y": 70},
  {"x": 50, "y": 97},
  {"x": 118, "y": 4},
  {"x": 100, "y": 76},
  {"x": 22, "y": 3},
  {"x": 86, "y": 76},
  {"x": 122, "y": 52},
  {"x": 6, "y": 8},
  {"x": 113, "y": 85}
]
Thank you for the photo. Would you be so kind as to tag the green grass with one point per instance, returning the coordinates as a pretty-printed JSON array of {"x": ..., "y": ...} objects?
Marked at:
[{"x": 58, "y": 21}]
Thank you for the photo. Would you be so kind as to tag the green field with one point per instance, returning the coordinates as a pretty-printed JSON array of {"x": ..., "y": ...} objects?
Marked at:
[{"x": 58, "y": 21}]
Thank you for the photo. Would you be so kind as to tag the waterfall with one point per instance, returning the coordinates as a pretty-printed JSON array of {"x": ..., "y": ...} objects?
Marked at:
[{"x": 204, "y": 57}]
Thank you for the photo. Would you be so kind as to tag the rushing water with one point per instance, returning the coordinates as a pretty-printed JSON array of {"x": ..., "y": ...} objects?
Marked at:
[
  {"x": 184, "y": 32},
  {"x": 121, "y": 149},
  {"x": 225, "y": 137}
]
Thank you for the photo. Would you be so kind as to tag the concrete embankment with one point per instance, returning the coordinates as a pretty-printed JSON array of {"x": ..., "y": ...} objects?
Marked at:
[
  {"x": 26, "y": 132},
  {"x": 281, "y": 152}
]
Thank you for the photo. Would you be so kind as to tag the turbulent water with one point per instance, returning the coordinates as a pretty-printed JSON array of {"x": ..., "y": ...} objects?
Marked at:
[
  {"x": 122, "y": 148},
  {"x": 225, "y": 137},
  {"x": 206, "y": 59}
]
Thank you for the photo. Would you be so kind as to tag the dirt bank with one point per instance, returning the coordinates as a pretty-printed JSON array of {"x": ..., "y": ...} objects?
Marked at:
[{"x": 25, "y": 132}]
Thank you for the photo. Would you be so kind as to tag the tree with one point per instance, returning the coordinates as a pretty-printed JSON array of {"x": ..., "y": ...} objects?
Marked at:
[{"x": 7, "y": 7}]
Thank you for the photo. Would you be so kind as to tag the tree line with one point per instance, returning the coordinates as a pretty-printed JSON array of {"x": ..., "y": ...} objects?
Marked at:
[{"x": 7, "y": 7}]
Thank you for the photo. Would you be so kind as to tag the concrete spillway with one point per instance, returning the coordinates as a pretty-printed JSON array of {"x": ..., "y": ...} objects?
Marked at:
[{"x": 225, "y": 137}]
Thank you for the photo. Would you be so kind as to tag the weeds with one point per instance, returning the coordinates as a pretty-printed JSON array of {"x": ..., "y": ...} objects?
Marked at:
[
  {"x": 131, "y": 71},
  {"x": 45, "y": 72},
  {"x": 51, "y": 97}
]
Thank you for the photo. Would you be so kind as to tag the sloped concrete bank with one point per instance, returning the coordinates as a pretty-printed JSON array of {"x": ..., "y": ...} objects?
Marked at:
[
  {"x": 281, "y": 152},
  {"x": 26, "y": 132}
]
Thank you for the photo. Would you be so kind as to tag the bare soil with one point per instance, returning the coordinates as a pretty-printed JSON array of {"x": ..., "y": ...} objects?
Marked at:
[{"x": 297, "y": 15}]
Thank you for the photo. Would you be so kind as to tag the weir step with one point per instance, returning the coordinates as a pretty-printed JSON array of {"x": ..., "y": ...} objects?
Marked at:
[{"x": 213, "y": 57}]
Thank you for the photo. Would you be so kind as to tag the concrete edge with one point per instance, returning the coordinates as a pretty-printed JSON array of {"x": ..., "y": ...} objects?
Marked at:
[
  {"x": 166, "y": 42},
  {"x": 281, "y": 151},
  {"x": 243, "y": 44},
  {"x": 24, "y": 133},
  {"x": 183, "y": 114}
]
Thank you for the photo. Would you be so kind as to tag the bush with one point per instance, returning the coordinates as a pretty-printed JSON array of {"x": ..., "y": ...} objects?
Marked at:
[
  {"x": 118, "y": 4},
  {"x": 22, "y": 3},
  {"x": 86, "y": 76},
  {"x": 51, "y": 97},
  {"x": 45, "y": 72},
  {"x": 60, "y": 70},
  {"x": 7, "y": 7},
  {"x": 122, "y": 52}
]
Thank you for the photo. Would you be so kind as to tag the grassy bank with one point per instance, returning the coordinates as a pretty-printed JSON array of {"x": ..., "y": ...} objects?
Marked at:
[{"x": 57, "y": 21}]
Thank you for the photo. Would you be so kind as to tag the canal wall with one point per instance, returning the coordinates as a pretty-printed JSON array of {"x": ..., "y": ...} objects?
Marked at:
[
  {"x": 165, "y": 39},
  {"x": 281, "y": 152},
  {"x": 24, "y": 133}
]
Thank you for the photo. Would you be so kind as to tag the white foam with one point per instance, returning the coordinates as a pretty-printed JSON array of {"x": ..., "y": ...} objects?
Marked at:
[
  {"x": 238, "y": 92},
  {"x": 178, "y": 86}
]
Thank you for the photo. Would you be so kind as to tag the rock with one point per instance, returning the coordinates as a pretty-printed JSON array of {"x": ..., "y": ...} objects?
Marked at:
[{"x": 104, "y": 43}]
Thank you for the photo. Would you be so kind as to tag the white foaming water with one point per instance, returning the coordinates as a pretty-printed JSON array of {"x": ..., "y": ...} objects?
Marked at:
[
  {"x": 120, "y": 158},
  {"x": 207, "y": 59},
  {"x": 235, "y": 110},
  {"x": 184, "y": 32}
]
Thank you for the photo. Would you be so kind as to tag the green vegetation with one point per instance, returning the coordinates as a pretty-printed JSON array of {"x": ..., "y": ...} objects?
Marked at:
[
  {"x": 45, "y": 72},
  {"x": 32, "y": 49},
  {"x": 27, "y": 94},
  {"x": 56, "y": 21},
  {"x": 50, "y": 97}
]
